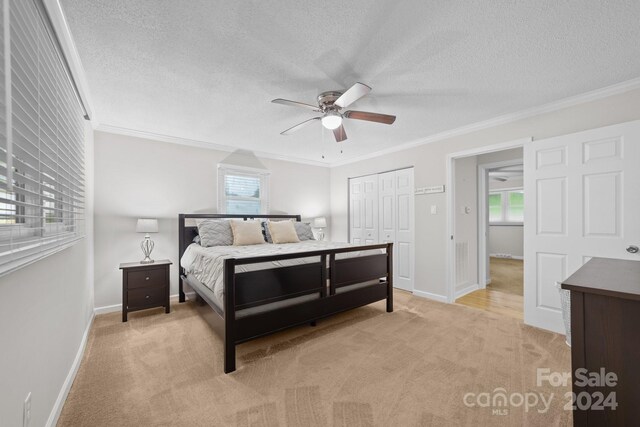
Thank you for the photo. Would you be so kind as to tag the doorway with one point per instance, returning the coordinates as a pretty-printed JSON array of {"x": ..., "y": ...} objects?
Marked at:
[
  {"x": 500, "y": 234},
  {"x": 486, "y": 226}
]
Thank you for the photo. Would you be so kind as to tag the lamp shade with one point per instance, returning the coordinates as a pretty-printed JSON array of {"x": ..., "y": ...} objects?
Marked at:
[
  {"x": 146, "y": 225},
  {"x": 320, "y": 222}
]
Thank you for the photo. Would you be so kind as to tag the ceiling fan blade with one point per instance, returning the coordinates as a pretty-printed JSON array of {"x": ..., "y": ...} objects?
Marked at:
[
  {"x": 352, "y": 94},
  {"x": 340, "y": 134},
  {"x": 370, "y": 117},
  {"x": 295, "y": 104},
  {"x": 298, "y": 126}
]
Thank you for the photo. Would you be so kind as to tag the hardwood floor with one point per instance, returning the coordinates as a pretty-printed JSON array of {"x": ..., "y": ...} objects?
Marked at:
[
  {"x": 494, "y": 301},
  {"x": 504, "y": 294}
]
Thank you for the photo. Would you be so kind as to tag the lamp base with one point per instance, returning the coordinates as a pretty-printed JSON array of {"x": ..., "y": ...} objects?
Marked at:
[{"x": 147, "y": 246}]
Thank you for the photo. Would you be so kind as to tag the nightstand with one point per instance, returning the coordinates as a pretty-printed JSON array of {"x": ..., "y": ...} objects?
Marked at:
[{"x": 145, "y": 286}]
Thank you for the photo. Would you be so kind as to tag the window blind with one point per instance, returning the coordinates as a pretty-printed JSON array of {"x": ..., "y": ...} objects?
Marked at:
[
  {"x": 42, "y": 141},
  {"x": 243, "y": 192}
]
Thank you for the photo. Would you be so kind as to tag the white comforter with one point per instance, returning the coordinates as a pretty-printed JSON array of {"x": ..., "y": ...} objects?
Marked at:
[{"x": 206, "y": 264}]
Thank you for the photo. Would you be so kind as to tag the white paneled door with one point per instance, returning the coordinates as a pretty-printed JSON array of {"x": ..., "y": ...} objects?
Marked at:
[
  {"x": 583, "y": 201},
  {"x": 370, "y": 207},
  {"x": 381, "y": 210},
  {"x": 356, "y": 198},
  {"x": 403, "y": 245}
]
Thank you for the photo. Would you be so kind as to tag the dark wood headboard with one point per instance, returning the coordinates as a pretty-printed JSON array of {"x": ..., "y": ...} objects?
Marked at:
[{"x": 186, "y": 233}]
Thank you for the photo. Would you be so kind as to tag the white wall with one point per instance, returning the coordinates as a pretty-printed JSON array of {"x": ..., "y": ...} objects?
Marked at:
[
  {"x": 466, "y": 217},
  {"x": 45, "y": 309},
  {"x": 138, "y": 177},
  {"x": 429, "y": 161}
]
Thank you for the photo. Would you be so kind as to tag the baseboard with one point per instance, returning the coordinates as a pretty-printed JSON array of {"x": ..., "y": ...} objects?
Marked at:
[
  {"x": 107, "y": 309},
  {"x": 118, "y": 307},
  {"x": 462, "y": 292},
  {"x": 71, "y": 376},
  {"x": 506, "y": 256},
  {"x": 431, "y": 296}
]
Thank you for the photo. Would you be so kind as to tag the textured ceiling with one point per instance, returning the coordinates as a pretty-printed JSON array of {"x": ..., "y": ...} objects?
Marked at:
[{"x": 206, "y": 70}]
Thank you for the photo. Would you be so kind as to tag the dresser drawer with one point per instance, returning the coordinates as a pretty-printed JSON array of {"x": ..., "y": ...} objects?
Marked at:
[
  {"x": 146, "y": 297},
  {"x": 146, "y": 278}
]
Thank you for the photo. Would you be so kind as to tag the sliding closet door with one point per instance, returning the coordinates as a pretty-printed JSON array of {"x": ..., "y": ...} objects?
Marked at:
[
  {"x": 404, "y": 230},
  {"x": 356, "y": 211}
]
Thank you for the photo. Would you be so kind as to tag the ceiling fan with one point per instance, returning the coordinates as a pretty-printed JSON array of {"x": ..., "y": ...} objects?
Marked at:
[{"x": 331, "y": 104}]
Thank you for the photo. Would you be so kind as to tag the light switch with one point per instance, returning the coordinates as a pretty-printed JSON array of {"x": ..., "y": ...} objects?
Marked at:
[{"x": 434, "y": 209}]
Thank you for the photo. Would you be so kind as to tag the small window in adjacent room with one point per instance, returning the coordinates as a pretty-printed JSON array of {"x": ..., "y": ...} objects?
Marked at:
[
  {"x": 243, "y": 191},
  {"x": 506, "y": 207}
]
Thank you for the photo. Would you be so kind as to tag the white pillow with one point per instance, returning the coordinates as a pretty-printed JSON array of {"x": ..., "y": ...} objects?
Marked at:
[
  {"x": 246, "y": 232},
  {"x": 283, "y": 232}
]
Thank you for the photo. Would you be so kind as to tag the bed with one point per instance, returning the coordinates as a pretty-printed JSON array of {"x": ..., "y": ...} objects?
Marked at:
[{"x": 257, "y": 290}]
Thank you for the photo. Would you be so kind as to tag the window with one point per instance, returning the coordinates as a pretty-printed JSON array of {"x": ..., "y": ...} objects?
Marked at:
[
  {"x": 506, "y": 207},
  {"x": 41, "y": 140},
  {"x": 242, "y": 191}
]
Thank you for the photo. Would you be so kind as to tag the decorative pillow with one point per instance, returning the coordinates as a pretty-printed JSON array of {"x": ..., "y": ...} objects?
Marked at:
[
  {"x": 303, "y": 231},
  {"x": 265, "y": 232},
  {"x": 283, "y": 232},
  {"x": 215, "y": 233},
  {"x": 246, "y": 233},
  {"x": 196, "y": 239}
]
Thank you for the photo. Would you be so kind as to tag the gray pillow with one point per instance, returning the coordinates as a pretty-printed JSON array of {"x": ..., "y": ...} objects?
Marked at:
[
  {"x": 196, "y": 239},
  {"x": 215, "y": 233},
  {"x": 304, "y": 231},
  {"x": 265, "y": 232}
]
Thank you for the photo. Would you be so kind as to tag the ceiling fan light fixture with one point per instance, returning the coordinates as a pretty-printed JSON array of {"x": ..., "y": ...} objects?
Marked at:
[{"x": 331, "y": 120}]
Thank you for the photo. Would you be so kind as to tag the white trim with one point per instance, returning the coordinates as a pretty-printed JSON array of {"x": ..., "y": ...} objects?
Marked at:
[
  {"x": 467, "y": 290},
  {"x": 451, "y": 251},
  {"x": 117, "y": 130},
  {"x": 71, "y": 376},
  {"x": 118, "y": 307},
  {"x": 509, "y": 256},
  {"x": 68, "y": 46},
  {"x": 430, "y": 295},
  {"x": 108, "y": 309},
  {"x": 593, "y": 95}
]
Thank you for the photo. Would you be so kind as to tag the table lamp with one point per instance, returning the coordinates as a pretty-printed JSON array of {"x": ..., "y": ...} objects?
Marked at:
[{"x": 320, "y": 223}]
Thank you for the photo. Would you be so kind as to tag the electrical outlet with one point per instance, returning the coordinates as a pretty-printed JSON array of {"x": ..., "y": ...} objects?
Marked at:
[{"x": 26, "y": 412}]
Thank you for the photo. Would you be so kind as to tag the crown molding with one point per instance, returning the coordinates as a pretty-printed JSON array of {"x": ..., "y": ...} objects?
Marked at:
[
  {"x": 474, "y": 127},
  {"x": 118, "y": 130},
  {"x": 594, "y": 95}
]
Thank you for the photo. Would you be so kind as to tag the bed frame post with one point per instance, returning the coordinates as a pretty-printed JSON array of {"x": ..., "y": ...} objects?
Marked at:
[
  {"x": 181, "y": 296},
  {"x": 389, "y": 277},
  {"x": 229, "y": 316}
]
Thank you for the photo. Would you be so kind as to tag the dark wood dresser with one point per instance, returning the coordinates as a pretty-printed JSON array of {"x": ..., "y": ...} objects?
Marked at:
[
  {"x": 145, "y": 286},
  {"x": 605, "y": 333}
]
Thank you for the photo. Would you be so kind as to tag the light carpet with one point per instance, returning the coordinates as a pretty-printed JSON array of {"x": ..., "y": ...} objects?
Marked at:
[{"x": 364, "y": 367}]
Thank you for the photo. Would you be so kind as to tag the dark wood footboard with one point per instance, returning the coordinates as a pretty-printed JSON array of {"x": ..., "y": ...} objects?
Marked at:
[{"x": 328, "y": 279}]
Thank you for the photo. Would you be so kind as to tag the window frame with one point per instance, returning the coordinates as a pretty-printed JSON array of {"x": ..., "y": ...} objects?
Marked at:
[
  {"x": 504, "y": 210},
  {"x": 262, "y": 174}
]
